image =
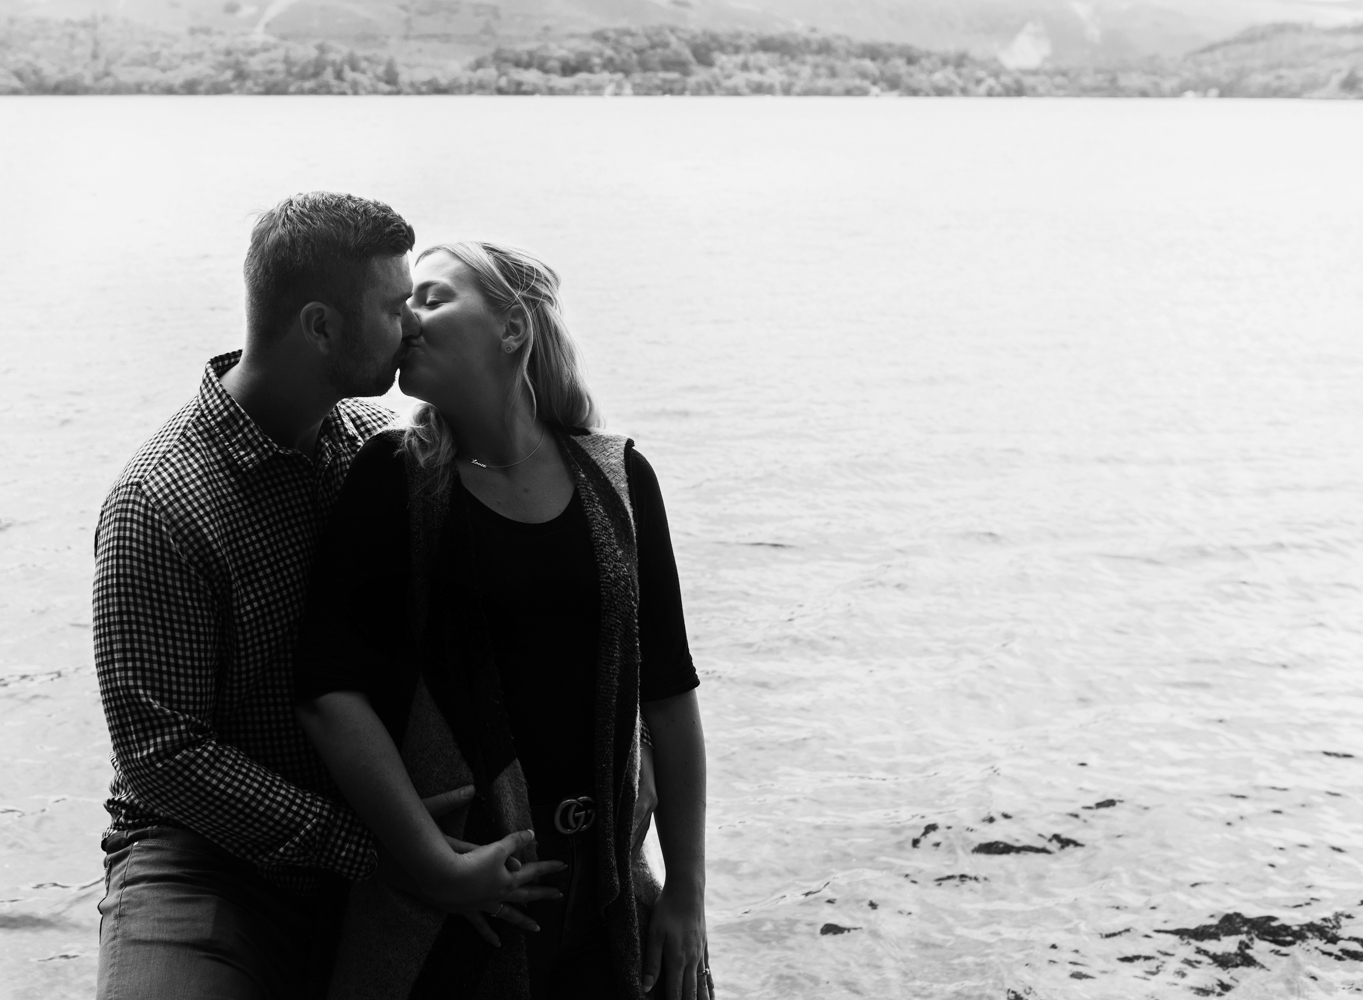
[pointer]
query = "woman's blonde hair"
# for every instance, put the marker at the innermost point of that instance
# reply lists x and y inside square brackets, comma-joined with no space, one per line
[547,360]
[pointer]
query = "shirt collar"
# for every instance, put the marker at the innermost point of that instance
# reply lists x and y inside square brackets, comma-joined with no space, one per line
[245,443]
[339,426]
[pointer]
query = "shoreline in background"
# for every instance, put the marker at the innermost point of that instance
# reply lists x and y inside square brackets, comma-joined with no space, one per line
[104,56]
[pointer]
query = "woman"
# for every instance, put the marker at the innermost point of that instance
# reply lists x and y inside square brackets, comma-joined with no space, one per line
[496,604]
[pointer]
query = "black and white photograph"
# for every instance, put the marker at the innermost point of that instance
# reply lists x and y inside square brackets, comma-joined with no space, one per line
[681,499]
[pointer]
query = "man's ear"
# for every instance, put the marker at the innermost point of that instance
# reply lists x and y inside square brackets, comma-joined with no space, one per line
[515,332]
[321,325]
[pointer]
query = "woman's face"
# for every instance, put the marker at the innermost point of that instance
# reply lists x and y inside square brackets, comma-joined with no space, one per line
[461,337]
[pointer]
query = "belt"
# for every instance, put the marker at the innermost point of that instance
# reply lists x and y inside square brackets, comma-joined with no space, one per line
[575,815]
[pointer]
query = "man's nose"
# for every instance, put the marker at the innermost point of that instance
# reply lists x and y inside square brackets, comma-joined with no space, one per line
[411,326]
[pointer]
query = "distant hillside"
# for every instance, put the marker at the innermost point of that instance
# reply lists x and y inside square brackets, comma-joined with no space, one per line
[41,56]
[1281,60]
[1024,34]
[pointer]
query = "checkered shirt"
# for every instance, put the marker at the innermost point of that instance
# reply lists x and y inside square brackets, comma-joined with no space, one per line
[202,557]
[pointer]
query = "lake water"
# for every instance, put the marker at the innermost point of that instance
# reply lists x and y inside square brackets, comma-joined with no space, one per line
[1012,451]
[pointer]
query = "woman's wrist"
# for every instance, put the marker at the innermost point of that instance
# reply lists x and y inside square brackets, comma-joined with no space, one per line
[433,862]
[685,885]
[449,880]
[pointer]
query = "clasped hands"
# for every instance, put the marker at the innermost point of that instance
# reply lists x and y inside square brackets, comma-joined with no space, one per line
[483,880]
[491,880]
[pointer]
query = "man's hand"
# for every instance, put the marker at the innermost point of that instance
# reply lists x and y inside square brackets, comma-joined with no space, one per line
[647,800]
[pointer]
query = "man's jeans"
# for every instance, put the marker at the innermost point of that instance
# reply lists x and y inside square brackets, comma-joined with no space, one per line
[183,918]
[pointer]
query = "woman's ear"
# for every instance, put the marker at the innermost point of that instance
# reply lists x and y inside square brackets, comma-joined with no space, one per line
[515,332]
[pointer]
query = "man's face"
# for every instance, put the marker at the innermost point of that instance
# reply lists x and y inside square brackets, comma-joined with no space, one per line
[371,342]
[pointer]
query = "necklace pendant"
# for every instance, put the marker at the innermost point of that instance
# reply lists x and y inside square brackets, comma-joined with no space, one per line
[512,465]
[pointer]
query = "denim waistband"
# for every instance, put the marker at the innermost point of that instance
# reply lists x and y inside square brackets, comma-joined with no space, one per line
[117,840]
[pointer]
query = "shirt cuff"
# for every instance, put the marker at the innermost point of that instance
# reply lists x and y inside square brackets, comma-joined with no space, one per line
[347,846]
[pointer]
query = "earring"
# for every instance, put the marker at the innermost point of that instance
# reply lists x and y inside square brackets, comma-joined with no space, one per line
[508,348]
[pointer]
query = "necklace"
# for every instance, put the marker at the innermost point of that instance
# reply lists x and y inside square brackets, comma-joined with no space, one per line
[484,465]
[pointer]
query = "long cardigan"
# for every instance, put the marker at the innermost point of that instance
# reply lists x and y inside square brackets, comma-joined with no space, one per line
[456,734]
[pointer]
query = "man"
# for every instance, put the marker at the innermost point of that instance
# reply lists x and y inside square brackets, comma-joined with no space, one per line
[219,837]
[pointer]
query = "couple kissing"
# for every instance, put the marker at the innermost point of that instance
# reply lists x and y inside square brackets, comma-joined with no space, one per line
[392,707]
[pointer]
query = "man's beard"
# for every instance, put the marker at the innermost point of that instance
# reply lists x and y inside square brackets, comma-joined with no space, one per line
[354,373]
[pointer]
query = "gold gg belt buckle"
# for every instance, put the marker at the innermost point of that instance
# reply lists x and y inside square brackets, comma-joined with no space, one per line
[575,815]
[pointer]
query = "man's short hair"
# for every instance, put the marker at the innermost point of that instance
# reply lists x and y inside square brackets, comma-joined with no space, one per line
[317,247]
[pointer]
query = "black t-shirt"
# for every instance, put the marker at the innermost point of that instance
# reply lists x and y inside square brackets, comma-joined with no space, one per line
[541,597]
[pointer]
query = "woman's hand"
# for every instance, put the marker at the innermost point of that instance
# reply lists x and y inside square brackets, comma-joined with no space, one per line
[442,805]
[676,954]
[457,885]
[487,879]
[361,755]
